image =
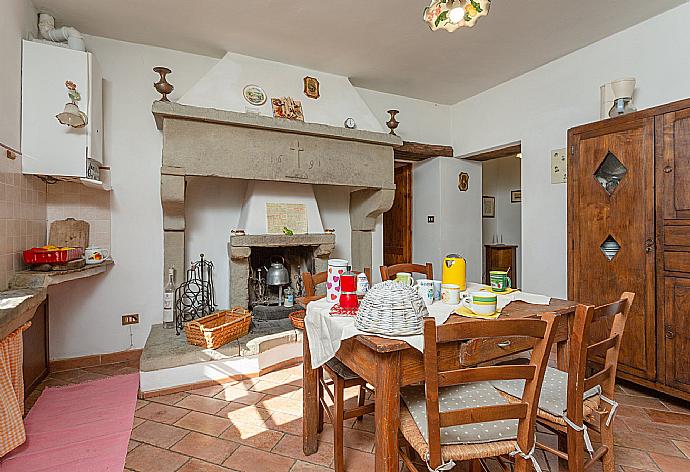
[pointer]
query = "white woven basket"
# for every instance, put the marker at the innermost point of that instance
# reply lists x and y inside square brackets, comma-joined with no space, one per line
[391,309]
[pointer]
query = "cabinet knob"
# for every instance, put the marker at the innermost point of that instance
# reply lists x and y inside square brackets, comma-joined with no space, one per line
[668,169]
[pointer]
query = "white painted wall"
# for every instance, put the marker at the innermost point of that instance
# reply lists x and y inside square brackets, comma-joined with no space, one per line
[222,88]
[539,107]
[420,121]
[500,177]
[455,230]
[17,19]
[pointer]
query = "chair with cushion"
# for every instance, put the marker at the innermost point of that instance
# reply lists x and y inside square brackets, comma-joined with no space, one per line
[458,415]
[571,402]
[389,272]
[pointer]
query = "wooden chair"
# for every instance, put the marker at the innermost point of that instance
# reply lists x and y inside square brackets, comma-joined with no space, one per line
[570,400]
[466,432]
[389,272]
[341,377]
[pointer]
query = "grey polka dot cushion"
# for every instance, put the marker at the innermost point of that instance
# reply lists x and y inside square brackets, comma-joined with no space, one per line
[554,391]
[457,397]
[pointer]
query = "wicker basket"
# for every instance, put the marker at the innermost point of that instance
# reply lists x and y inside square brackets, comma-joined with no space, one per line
[392,309]
[297,318]
[218,328]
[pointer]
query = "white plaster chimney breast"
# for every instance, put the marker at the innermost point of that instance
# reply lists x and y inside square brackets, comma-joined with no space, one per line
[222,86]
[253,215]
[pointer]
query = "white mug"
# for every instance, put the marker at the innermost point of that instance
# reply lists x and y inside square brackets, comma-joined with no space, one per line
[480,303]
[425,289]
[96,255]
[450,294]
[404,278]
[437,289]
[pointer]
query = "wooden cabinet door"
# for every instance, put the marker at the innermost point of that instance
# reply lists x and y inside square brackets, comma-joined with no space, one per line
[397,222]
[611,230]
[673,164]
[676,333]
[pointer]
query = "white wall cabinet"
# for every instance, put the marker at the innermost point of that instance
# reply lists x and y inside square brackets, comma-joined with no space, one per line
[48,147]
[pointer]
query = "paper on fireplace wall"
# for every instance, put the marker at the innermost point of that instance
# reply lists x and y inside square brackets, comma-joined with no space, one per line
[286,215]
[254,217]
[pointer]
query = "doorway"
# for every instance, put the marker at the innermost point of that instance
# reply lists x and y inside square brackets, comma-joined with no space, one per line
[397,222]
[501,210]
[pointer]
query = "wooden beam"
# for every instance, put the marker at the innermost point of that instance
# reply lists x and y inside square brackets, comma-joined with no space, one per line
[411,151]
[495,153]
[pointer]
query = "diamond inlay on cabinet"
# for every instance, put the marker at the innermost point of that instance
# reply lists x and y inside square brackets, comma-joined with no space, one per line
[610,247]
[610,173]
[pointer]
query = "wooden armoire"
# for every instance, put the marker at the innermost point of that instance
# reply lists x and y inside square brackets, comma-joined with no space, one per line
[629,230]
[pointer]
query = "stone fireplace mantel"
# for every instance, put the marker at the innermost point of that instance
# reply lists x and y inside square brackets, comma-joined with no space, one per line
[217,143]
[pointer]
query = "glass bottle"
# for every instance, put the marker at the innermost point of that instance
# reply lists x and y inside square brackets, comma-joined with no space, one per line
[169,301]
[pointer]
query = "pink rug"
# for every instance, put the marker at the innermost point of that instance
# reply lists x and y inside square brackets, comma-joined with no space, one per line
[83,427]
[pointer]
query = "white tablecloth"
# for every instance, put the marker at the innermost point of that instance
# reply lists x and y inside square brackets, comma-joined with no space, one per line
[326,332]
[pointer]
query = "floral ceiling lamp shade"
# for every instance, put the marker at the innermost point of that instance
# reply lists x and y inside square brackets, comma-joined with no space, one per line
[453,14]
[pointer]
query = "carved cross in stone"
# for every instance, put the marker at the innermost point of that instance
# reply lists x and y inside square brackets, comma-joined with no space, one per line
[296,149]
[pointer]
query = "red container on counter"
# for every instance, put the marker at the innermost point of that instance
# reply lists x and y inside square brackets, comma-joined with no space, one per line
[51,255]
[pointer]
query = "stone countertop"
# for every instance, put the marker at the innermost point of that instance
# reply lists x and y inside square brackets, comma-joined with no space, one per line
[32,279]
[17,307]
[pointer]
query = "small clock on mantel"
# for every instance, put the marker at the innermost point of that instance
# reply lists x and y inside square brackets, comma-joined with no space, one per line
[350,123]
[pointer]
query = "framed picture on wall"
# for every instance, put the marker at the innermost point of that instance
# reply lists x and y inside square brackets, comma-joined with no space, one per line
[488,207]
[516,196]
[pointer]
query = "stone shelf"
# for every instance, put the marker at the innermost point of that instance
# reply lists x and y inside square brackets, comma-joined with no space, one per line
[31,279]
[17,307]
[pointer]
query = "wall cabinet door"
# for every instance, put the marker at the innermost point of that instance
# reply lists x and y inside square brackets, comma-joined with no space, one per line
[611,230]
[676,329]
[673,164]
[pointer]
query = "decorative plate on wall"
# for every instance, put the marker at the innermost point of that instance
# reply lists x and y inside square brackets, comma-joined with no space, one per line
[311,87]
[254,95]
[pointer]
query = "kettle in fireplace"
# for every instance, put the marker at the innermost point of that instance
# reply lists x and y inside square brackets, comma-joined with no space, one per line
[277,274]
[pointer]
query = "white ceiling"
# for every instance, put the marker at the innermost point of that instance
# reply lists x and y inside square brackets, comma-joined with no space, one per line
[380,45]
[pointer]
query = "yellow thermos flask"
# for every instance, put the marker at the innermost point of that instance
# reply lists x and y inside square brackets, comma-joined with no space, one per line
[455,271]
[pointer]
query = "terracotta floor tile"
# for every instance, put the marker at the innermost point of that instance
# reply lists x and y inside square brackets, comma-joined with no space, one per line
[307,467]
[284,422]
[667,431]
[291,446]
[684,447]
[204,423]
[671,464]
[357,460]
[366,424]
[247,459]
[161,413]
[640,401]
[108,369]
[141,403]
[205,447]
[253,435]
[202,404]
[669,417]
[88,376]
[158,434]
[66,375]
[237,412]
[137,422]
[238,395]
[278,376]
[633,458]
[272,388]
[629,411]
[210,391]
[147,458]
[646,442]
[170,399]
[360,440]
[195,465]
[676,405]
[283,405]
[132,444]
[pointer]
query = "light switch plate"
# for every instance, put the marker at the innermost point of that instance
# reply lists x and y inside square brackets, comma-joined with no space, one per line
[430,219]
[559,166]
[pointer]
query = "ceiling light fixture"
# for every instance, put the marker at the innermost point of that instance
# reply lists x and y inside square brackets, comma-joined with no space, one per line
[453,14]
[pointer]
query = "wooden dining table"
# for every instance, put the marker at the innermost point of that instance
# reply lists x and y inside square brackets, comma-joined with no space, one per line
[389,364]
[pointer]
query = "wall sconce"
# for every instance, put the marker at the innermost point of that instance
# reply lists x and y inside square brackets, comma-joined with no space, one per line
[71,115]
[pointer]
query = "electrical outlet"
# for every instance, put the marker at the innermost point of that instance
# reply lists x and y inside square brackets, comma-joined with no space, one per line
[130,319]
[430,219]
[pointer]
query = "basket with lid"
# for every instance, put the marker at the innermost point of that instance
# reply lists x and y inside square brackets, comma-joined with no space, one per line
[391,309]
